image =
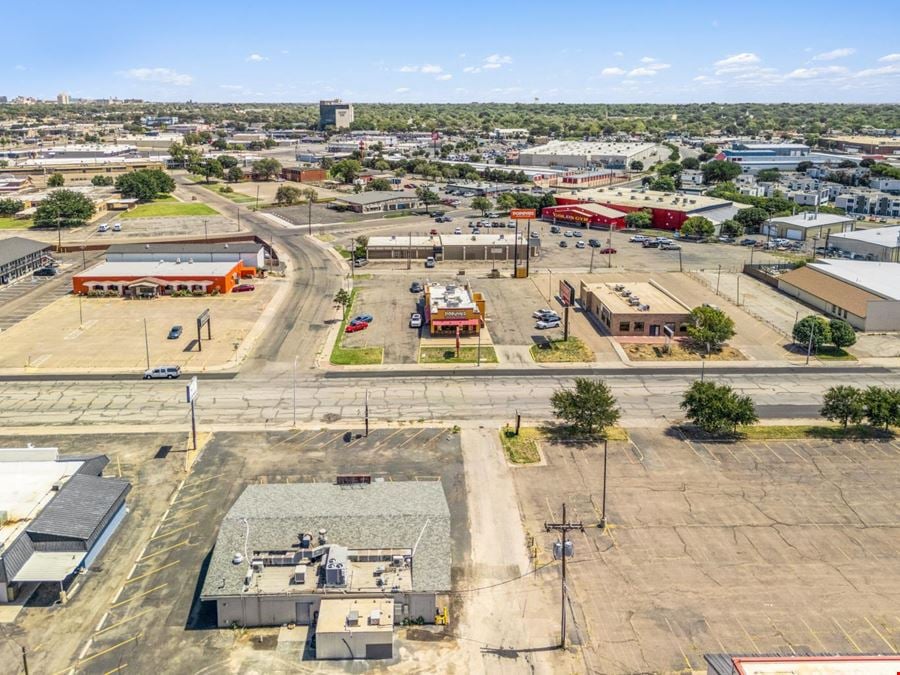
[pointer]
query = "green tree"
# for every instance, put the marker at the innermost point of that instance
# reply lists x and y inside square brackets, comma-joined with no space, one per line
[506,201]
[220,144]
[56,180]
[717,171]
[663,184]
[698,226]
[346,170]
[234,174]
[843,404]
[64,208]
[768,175]
[882,406]
[731,228]
[670,169]
[428,196]
[101,181]
[842,333]
[812,327]
[482,204]
[266,167]
[752,218]
[717,408]
[145,184]
[287,194]
[589,408]
[209,168]
[636,165]
[690,163]
[10,207]
[710,326]
[228,161]
[342,299]
[638,220]
[803,167]
[379,185]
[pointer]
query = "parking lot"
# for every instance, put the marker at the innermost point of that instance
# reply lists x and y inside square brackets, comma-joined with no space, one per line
[748,547]
[140,602]
[105,334]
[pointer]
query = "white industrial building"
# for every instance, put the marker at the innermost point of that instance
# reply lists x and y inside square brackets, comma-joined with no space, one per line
[879,243]
[286,552]
[251,253]
[612,155]
[807,225]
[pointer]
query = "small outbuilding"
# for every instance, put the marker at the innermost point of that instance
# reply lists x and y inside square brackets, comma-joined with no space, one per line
[355,628]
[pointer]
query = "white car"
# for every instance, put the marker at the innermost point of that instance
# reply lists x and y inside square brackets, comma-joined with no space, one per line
[547,323]
[639,238]
[458,230]
[579,244]
[103,228]
[541,313]
[117,227]
[415,320]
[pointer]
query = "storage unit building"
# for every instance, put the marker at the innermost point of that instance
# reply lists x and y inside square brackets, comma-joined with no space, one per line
[251,253]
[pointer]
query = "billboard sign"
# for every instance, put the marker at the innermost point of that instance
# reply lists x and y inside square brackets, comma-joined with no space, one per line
[191,389]
[523,214]
[566,294]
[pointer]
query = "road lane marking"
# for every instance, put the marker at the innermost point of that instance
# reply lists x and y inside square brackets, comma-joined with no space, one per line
[100,623]
[87,645]
[123,621]
[147,574]
[675,640]
[139,595]
[814,634]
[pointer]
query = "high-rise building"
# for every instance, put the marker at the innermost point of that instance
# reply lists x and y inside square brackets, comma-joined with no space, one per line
[335,114]
[62,98]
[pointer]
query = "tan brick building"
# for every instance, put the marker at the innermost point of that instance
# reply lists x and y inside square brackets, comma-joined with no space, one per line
[635,308]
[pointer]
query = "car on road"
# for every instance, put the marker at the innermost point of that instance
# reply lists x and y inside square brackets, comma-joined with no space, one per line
[535,235]
[669,246]
[433,231]
[163,373]
[117,227]
[726,239]
[356,327]
[438,214]
[409,186]
[547,323]
[362,318]
[429,261]
[415,320]
[45,272]
[579,244]
[554,229]
[639,238]
[511,225]
[175,332]
[608,250]
[360,262]
[492,214]
[650,243]
[563,244]
[243,288]
[748,242]
[416,287]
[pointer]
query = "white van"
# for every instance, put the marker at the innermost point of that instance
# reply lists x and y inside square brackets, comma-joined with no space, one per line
[117,227]
[103,228]
[163,372]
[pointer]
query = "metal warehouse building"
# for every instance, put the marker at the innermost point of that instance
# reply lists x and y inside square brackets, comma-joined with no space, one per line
[807,225]
[302,553]
[251,253]
[483,247]
[593,153]
[879,243]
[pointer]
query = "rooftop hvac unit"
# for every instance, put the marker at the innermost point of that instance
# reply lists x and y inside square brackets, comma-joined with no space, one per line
[644,308]
[379,581]
[237,559]
[619,287]
[190,261]
[257,565]
[379,571]
[300,574]
[634,301]
[353,618]
[626,293]
[397,561]
[322,538]
[305,540]
[248,577]
[375,617]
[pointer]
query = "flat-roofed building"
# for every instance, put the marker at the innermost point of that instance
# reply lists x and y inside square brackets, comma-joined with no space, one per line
[149,279]
[335,113]
[472,247]
[807,225]
[870,145]
[611,154]
[635,308]
[593,216]
[357,628]
[451,309]
[810,664]
[864,294]
[380,202]
[879,243]
[251,253]
[283,550]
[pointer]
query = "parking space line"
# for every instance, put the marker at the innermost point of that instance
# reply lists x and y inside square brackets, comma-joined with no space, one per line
[163,550]
[193,497]
[139,595]
[878,633]
[409,440]
[151,572]
[772,451]
[308,441]
[814,634]
[124,621]
[677,644]
[116,669]
[791,448]
[716,637]
[847,635]
[389,436]
[749,637]
[109,649]
[171,532]
[190,510]
[203,480]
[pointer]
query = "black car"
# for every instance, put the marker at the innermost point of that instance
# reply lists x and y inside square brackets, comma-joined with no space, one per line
[45,272]
[416,287]
[563,244]
[175,332]
[748,242]
[594,243]
[650,243]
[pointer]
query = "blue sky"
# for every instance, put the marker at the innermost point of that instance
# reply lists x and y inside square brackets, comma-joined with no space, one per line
[649,51]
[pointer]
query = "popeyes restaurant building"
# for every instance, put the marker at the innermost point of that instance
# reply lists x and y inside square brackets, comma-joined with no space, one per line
[452,310]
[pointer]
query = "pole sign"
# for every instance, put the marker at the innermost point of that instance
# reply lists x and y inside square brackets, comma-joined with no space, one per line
[566,294]
[523,214]
[191,390]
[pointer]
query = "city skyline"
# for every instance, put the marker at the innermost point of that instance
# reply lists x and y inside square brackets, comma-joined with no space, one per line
[663,53]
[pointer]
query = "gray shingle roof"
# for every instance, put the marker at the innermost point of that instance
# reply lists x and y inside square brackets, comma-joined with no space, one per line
[79,507]
[13,248]
[380,515]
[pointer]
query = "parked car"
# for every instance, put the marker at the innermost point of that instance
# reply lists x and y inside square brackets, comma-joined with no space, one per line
[492,214]
[541,313]
[669,246]
[45,272]
[549,323]
[563,244]
[579,244]
[639,238]
[243,288]
[511,225]
[576,233]
[429,261]
[594,243]
[409,186]
[535,235]
[416,287]
[650,243]
[568,233]
[433,231]
[726,240]
[355,327]
[415,320]
[363,318]
[457,230]
[748,242]
[175,332]
[554,229]
[608,250]
[360,262]
[163,372]
[103,228]
[117,227]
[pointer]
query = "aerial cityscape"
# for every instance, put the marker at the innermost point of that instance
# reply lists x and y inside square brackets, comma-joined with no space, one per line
[405,339]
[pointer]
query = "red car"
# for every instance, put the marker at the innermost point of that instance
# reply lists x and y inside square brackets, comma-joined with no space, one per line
[410,186]
[607,250]
[243,288]
[433,231]
[356,327]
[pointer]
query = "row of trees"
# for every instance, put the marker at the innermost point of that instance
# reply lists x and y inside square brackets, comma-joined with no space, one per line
[879,406]
[816,331]
[145,184]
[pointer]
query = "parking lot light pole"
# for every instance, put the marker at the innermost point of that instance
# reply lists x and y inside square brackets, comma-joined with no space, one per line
[147,344]
[591,271]
[603,510]
[294,390]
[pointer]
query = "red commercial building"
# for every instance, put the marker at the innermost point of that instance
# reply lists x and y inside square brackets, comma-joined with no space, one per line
[304,175]
[594,216]
[668,210]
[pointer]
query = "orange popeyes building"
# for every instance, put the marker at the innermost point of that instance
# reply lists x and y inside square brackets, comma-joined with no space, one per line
[453,310]
[150,279]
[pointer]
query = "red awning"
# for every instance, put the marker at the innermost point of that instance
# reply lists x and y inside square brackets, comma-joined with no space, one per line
[454,322]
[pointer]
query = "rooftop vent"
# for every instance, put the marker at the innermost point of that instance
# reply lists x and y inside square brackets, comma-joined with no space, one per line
[237,559]
[375,617]
[322,538]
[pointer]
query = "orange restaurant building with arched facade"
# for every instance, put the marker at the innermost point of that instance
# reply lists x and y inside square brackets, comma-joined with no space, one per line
[150,279]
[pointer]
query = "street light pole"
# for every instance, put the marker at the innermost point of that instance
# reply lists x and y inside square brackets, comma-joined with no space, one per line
[603,512]
[147,344]
[294,390]
[205,231]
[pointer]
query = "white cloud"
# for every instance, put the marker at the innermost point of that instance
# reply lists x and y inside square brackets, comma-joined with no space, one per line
[444,77]
[161,75]
[812,73]
[647,59]
[19,67]
[892,69]
[834,54]
[619,54]
[492,62]
[285,51]
[736,62]
[499,60]
[609,72]
[257,58]
[232,87]
[431,68]
[401,90]
[427,68]
[887,58]
[642,72]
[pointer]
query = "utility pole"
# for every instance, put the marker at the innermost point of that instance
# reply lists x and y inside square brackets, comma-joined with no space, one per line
[238,209]
[516,251]
[294,390]
[603,512]
[809,346]
[591,270]
[527,249]
[25,660]
[257,198]
[609,247]
[147,344]
[718,279]
[680,266]
[738,292]
[564,527]
[409,253]
[205,231]
[367,413]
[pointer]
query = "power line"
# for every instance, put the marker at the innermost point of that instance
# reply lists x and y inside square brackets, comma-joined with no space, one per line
[501,583]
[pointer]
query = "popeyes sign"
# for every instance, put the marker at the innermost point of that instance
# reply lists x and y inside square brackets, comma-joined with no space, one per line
[522,214]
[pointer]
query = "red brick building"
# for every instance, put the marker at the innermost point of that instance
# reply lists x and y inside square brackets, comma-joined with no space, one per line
[594,216]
